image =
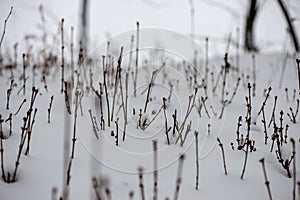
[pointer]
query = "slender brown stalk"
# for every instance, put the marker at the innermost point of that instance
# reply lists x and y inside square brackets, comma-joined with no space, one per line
[24,101]
[93,124]
[141,185]
[105,90]
[117,81]
[179,176]
[253,75]
[45,83]
[155,176]
[10,123]
[188,129]
[262,161]
[126,106]
[62,56]
[265,125]
[21,145]
[223,155]
[166,121]
[234,90]
[24,74]
[5,22]
[67,93]
[298,65]
[286,133]
[298,183]
[190,107]
[49,108]
[2,150]
[294,168]
[77,94]
[69,173]
[29,130]
[206,61]
[226,67]
[8,93]
[117,131]
[29,114]
[287,94]
[149,90]
[273,112]
[136,57]
[264,103]
[197,160]
[238,130]
[204,106]
[281,127]
[247,140]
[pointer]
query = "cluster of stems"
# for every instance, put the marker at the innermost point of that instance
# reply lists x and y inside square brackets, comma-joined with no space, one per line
[293,114]
[248,121]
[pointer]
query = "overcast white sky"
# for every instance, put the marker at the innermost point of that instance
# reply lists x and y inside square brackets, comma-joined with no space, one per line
[116,16]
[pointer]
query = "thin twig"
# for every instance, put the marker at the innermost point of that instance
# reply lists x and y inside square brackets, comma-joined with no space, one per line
[155,176]
[4,29]
[262,161]
[223,155]
[197,160]
[179,176]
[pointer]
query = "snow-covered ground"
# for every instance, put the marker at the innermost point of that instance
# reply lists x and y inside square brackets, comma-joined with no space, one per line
[43,172]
